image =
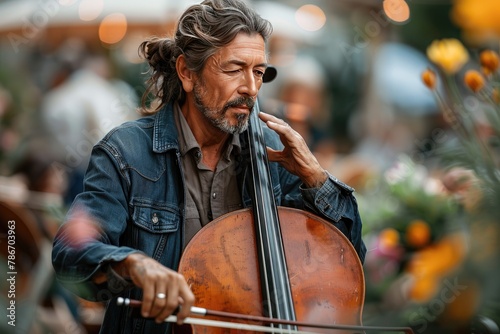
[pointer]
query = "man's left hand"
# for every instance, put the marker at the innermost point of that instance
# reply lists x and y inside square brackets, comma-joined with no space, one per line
[296,156]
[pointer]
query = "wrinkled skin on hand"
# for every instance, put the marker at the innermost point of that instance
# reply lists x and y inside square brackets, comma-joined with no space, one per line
[154,279]
[296,156]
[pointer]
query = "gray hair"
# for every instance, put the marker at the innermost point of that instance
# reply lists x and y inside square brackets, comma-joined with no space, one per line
[201,31]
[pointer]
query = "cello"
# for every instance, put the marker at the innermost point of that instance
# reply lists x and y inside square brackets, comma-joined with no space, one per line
[274,261]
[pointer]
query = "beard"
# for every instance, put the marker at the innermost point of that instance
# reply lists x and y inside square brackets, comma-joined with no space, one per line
[217,117]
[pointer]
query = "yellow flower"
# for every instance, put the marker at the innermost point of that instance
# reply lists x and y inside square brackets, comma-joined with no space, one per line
[478,19]
[449,54]
[474,80]
[429,78]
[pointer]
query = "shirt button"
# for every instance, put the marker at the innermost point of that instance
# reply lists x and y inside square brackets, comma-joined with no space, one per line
[214,195]
[155,218]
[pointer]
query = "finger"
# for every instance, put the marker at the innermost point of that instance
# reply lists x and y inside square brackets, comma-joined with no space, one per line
[268,117]
[160,300]
[287,134]
[274,155]
[275,123]
[285,131]
[187,301]
[171,302]
[148,296]
[280,128]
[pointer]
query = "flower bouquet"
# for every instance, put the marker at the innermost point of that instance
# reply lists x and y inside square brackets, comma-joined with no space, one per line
[468,93]
[470,106]
[406,212]
[433,235]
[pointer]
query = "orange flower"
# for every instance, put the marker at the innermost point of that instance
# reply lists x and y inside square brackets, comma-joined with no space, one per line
[389,238]
[424,288]
[489,61]
[474,80]
[418,233]
[430,264]
[429,78]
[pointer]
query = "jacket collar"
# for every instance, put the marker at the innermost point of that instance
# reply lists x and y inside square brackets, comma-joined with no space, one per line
[164,130]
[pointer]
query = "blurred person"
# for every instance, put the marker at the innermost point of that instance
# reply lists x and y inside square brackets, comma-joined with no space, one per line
[8,137]
[301,100]
[163,169]
[303,103]
[84,103]
[46,187]
[59,310]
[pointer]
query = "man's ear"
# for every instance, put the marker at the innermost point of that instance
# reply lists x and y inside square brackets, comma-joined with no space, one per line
[185,75]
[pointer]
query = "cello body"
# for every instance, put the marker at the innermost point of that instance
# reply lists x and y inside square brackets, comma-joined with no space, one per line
[326,276]
[273,261]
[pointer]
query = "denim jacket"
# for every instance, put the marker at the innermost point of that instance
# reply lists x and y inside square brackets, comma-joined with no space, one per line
[134,192]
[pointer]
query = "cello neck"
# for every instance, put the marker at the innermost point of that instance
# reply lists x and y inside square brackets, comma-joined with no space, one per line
[275,284]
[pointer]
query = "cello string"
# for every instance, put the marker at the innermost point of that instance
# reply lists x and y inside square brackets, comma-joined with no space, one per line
[259,202]
[277,285]
[271,291]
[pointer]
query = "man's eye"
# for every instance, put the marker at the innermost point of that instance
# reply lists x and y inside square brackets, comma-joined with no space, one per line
[259,74]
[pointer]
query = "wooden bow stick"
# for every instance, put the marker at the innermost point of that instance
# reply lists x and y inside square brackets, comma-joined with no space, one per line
[222,324]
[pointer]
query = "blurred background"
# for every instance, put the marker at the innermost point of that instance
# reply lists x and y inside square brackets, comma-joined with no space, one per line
[349,80]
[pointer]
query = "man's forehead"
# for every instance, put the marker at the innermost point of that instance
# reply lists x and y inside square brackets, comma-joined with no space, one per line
[243,48]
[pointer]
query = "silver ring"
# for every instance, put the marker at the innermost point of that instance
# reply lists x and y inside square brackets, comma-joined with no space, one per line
[161,296]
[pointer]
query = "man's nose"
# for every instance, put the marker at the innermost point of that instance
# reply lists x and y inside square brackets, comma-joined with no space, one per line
[250,85]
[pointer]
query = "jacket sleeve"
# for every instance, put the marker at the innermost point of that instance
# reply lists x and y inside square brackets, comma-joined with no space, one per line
[336,201]
[87,241]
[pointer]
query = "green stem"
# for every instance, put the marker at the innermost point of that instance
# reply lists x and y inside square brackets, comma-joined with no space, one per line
[451,117]
[464,124]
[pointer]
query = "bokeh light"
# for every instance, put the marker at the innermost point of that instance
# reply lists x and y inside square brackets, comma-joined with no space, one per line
[113,28]
[397,10]
[90,9]
[310,17]
[66,2]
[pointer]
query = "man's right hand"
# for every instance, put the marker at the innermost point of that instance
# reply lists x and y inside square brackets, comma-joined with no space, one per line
[157,281]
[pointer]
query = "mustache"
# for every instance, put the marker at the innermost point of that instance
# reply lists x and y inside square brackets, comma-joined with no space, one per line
[246,101]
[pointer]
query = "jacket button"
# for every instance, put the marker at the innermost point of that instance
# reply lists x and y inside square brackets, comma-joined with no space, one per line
[155,218]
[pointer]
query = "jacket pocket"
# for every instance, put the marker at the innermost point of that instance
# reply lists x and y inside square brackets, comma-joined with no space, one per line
[155,217]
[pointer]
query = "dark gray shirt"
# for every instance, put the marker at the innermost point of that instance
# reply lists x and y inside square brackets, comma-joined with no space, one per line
[209,194]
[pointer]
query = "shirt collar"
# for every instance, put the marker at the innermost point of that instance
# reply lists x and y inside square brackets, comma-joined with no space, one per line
[187,141]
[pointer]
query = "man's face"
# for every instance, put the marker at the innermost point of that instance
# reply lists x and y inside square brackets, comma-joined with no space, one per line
[226,91]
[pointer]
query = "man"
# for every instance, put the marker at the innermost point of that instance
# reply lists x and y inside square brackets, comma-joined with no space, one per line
[153,183]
